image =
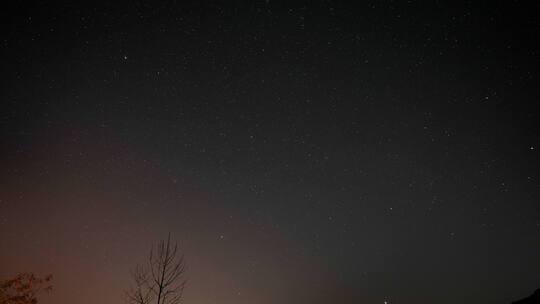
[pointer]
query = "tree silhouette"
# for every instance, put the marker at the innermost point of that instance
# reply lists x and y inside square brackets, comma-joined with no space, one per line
[23,288]
[161,279]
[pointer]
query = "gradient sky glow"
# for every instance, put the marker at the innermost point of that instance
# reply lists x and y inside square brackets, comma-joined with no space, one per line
[311,153]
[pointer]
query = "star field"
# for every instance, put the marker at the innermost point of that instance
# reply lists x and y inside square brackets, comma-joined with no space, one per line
[379,153]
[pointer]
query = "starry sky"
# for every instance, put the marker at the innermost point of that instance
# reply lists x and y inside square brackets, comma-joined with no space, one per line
[312,152]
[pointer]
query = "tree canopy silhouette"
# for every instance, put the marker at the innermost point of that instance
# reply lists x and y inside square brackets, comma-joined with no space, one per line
[24,288]
[161,279]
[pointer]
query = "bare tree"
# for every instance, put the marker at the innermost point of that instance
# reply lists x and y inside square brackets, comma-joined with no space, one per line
[161,279]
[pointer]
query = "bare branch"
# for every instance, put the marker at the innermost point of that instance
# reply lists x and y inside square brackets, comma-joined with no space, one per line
[162,280]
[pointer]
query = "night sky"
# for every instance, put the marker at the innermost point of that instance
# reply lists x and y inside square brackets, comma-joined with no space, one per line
[299,153]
